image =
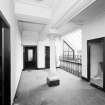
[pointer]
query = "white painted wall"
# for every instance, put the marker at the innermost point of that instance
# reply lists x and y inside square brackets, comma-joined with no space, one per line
[41,53]
[7,8]
[94,29]
[18,57]
[74,39]
[30,38]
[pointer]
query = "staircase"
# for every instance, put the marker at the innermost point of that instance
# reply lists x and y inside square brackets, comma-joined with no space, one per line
[69,61]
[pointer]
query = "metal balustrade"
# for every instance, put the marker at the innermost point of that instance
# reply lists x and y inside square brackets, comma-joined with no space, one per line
[72,65]
[69,61]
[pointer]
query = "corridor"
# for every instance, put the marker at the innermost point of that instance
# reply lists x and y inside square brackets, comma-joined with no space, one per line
[50,34]
[33,90]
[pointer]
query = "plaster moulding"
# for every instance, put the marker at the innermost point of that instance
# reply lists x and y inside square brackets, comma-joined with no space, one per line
[72,12]
[34,2]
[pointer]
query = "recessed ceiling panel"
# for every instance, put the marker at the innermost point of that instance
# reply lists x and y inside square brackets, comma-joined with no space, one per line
[41,2]
[36,27]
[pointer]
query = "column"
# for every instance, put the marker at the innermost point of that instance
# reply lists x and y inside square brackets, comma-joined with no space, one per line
[52,55]
[52,79]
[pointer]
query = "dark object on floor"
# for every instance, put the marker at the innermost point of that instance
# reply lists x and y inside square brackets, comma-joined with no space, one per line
[44,102]
[53,81]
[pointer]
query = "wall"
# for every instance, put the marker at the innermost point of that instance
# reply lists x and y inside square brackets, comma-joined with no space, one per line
[91,30]
[18,57]
[41,55]
[41,52]
[32,38]
[74,39]
[7,8]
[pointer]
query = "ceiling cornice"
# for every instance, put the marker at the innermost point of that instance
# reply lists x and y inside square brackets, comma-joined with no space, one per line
[73,11]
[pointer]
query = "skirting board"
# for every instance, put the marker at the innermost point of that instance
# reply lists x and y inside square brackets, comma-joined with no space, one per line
[98,87]
[84,78]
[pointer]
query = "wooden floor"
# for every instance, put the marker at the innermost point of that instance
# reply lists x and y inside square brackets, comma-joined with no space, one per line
[33,90]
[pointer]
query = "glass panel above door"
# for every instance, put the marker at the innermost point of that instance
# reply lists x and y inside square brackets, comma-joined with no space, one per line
[30,54]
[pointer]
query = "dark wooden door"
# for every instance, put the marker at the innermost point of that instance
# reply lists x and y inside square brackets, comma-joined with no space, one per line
[5,62]
[88,61]
[7,66]
[47,57]
[0,63]
[30,57]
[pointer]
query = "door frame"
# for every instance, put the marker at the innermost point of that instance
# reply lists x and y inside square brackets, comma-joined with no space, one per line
[88,60]
[45,57]
[89,63]
[6,61]
[29,46]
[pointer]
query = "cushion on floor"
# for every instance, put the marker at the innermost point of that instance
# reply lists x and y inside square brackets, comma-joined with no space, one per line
[53,81]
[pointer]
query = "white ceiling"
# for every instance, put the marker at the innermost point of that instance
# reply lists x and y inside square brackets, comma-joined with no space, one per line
[90,13]
[33,11]
[28,26]
[45,3]
[36,21]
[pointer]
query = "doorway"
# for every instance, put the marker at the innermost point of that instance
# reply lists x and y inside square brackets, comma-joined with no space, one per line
[5,62]
[96,62]
[30,57]
[47,57]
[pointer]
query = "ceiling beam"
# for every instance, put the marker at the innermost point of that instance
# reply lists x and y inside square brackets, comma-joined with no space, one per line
[23,21]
